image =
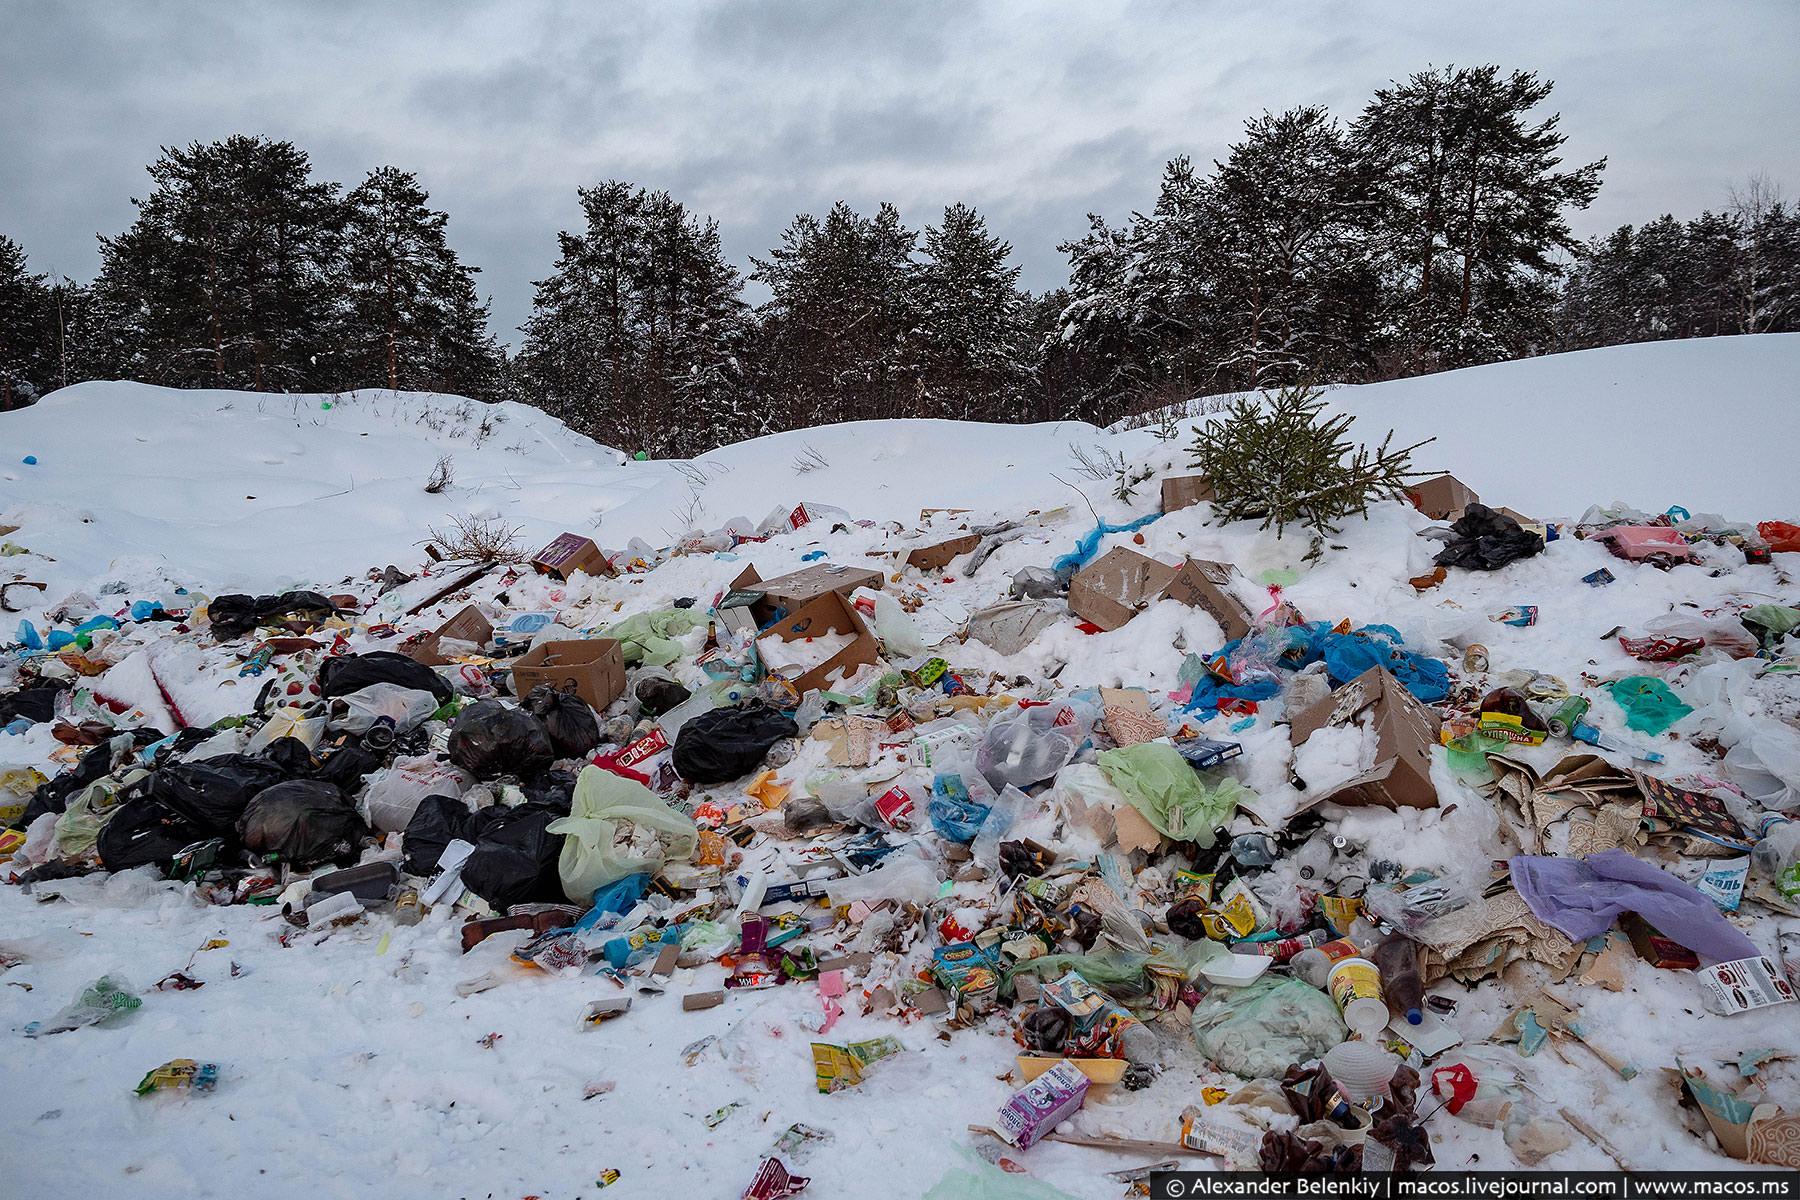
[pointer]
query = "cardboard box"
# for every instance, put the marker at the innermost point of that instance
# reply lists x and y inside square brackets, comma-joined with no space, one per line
[1185,491]
[569,553]
[1405,729]
[1120,583]
[466,626]
[828,614]
[794,591]
[593,669]
[1116,586]
[937,556]
[1442,498]
[1201,584]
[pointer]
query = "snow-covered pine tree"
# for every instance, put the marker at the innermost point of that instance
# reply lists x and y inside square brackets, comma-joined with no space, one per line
[972,346]
[412,319]
[1467,211]
[1281,458]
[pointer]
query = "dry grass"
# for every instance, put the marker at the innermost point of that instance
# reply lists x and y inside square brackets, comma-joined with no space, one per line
[480,539]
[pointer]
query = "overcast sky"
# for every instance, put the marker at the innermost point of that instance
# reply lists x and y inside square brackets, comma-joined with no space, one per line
[1035,113]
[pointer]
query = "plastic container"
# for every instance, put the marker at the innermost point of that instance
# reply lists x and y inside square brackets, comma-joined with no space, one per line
[1314,965]
[369,882]
[1355,984]
[1397,958]
[1360,1068]
[1777,853]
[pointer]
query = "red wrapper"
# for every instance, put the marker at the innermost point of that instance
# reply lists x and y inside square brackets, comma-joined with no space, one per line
[773,1182]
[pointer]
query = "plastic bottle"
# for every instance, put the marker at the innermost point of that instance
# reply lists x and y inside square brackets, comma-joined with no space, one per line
[1355,984]
[1397,958]
[1777,853]
[1315,965]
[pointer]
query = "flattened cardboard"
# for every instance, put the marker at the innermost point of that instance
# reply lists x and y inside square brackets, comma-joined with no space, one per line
[1405,731]
[466,626]
[937,556]
[1185,491]
[569,553]
[1114,587]
[1203,585]
[829,613]
[592,668]
[795,590]
[1441,498]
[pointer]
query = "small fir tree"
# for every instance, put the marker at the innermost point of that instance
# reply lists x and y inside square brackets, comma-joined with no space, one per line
[1282,458]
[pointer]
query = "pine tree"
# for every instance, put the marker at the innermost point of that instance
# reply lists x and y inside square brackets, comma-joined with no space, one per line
[226,278]
[1468,210]
[412,318]
[1281,458]
[634,335]
[834,335]
[973,347]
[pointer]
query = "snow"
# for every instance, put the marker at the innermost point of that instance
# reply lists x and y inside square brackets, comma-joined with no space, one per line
[352,1065]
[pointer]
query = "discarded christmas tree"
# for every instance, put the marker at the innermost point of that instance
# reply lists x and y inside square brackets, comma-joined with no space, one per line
[1280,457]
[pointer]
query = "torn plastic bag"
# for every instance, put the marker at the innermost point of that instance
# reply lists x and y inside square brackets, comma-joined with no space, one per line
[236,614]
[393,794]
[354,672]
[1261,1028]
[960,805]
[1022,747]
[1176,800]
[104,999]
[1486,541]
[617,827]
[1009,628]
[728,743]
[303,822]
[406,707]
[571,724]
[53,795]
[1583,897]
[489,740]
[145,833]
[214,793]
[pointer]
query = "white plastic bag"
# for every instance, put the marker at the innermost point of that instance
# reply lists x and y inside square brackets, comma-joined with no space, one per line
[393,793]
[405,707]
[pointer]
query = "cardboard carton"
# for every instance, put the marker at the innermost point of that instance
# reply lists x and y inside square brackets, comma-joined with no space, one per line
[592,668]
[466,626]
[1114,587]
[1442,498]
[1120,583]
[1185,491]
[937,556]
[794,591]
[830,613]
[569,553]
[1405,729]
[1201,584]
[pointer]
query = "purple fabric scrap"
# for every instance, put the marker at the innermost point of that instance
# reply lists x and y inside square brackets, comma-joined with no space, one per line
[1583,897]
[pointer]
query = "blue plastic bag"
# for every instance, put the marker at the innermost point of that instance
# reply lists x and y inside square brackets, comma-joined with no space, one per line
[954,813]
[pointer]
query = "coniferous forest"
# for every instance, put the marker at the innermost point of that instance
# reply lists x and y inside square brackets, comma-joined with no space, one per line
[1428,232]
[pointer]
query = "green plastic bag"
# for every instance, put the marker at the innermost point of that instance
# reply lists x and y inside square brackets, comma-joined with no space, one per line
[1650,707]
[979,1181]
[617,827]
[1262,1028]
[1171,795]
[648,638]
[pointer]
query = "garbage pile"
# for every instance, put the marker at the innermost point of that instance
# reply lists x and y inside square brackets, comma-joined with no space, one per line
[795,783]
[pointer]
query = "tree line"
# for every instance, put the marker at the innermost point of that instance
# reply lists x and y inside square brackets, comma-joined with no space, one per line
[1429,232]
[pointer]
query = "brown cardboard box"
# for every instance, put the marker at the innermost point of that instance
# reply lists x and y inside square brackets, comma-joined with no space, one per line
[1185,491]
[1114,587]
[466,626]
[937,556]
[569,553]
[1201,584]
[797,589]
[592,668]
[829,613]
[1405,731]
[1442,498]
[1120,583]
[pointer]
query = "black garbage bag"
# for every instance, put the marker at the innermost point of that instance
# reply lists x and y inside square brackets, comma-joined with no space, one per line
[515,858]
[573,728]
[236,614]
[552,789]
[302,822]
[53,795]
[658,695]
[214,792]
[345,765]
[354,672]
[489,739]
[37,704]
[145,832]
[1486,541]
[727,743]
